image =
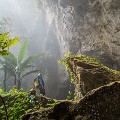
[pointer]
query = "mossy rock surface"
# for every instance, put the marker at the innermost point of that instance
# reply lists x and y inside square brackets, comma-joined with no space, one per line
[89,71]
[102,103]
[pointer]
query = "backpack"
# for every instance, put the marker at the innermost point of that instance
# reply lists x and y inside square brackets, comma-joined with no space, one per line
[36,83]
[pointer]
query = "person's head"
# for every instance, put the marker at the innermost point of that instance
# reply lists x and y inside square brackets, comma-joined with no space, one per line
[39,75]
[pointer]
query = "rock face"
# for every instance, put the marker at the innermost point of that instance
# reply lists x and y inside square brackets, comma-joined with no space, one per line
[89,73]
[90,27]
[99,104]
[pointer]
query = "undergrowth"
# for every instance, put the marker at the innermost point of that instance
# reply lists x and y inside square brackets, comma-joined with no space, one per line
[17,103]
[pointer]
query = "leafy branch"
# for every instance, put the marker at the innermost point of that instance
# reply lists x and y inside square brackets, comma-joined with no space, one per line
[5,43]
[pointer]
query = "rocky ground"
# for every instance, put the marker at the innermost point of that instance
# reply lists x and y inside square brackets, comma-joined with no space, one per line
[101,100]
[99,104]
[100,94]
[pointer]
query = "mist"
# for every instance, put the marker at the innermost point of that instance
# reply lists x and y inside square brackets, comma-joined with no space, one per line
[22,14]
[22,17]
[26,20]
[83,35]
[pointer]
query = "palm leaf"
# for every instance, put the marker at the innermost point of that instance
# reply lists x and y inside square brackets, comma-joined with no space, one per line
[9,68]
[22,52]
[11,59]
[25,68]
[2,62]
[33,71]
[11,72]
[38,56]
[10,63]
[28,62]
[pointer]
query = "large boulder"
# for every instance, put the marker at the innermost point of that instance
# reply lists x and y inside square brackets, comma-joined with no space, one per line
[99,104]
[89,73]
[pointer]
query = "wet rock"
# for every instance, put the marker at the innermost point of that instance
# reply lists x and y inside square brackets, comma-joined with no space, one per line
[89,73]
[88,27]
[99,104]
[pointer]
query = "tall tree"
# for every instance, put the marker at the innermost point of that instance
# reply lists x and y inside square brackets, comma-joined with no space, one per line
[8,66]
[19,66]
[5,43]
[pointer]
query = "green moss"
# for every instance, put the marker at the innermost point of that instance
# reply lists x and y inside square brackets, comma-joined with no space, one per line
[51,104]
[69,61]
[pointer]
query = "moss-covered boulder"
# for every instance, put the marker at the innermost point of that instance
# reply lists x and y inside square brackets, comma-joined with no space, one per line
[88,73]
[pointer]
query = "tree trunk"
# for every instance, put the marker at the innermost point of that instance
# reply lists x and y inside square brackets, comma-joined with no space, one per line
[5,78]
[19,82]
[15,80]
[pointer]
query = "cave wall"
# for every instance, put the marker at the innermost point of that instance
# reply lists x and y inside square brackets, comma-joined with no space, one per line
[90,27]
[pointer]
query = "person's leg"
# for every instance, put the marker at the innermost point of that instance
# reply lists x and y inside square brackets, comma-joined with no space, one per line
[40,89]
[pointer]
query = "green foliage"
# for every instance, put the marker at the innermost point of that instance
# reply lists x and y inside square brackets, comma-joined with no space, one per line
[33,71]
[22,63]
[69,95]
[66,63]
[9,62]
[28,62]
[1,91]
[82,58]
[71,61]
[22,52]
[5,43]
[52,104]
[18,65]
[18,103]
[75,96]
[73,77]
